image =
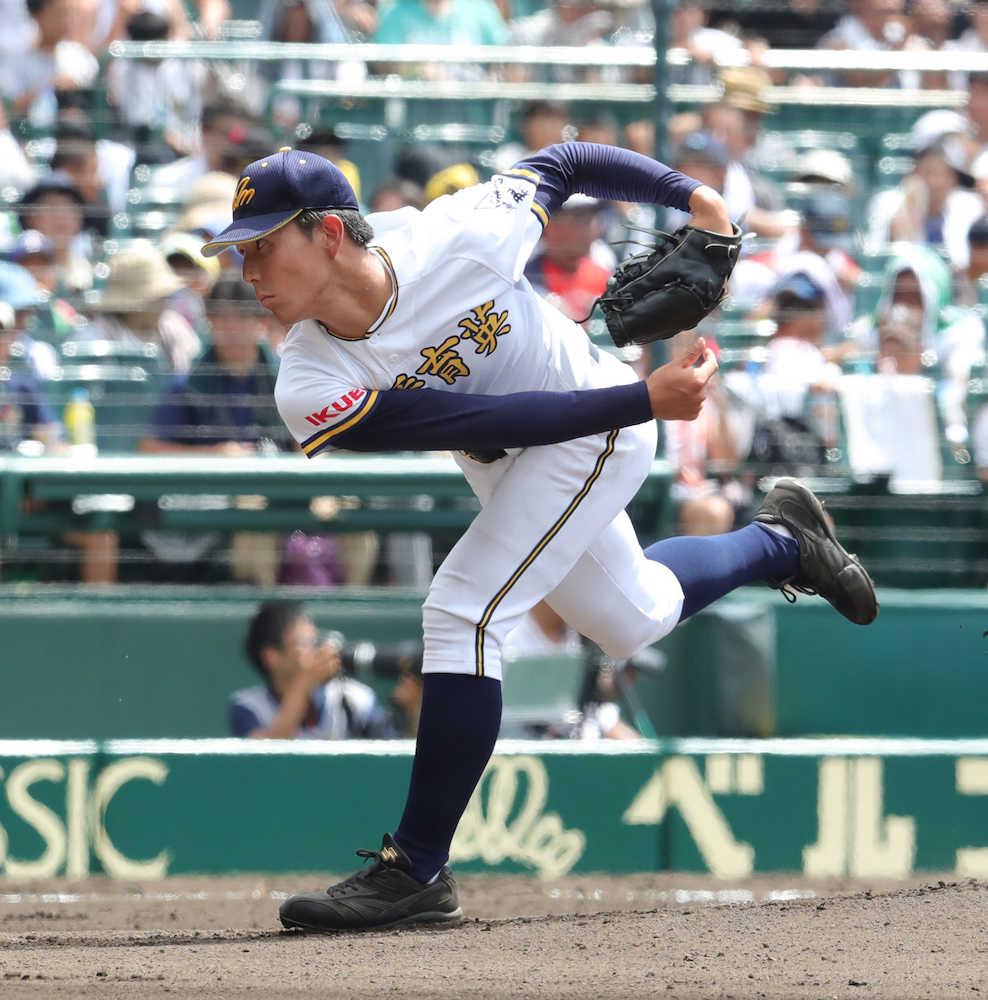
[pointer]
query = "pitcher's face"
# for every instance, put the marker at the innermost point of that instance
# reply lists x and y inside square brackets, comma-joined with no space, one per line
[287,271]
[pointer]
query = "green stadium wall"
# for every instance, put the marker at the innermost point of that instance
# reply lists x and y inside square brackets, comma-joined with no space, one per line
[827,808]
[126,665]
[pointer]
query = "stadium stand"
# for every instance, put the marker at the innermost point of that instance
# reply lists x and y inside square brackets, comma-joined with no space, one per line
[931,535]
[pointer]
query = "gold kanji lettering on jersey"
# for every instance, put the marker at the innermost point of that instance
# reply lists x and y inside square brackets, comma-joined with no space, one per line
[444,361]
[484,326]
[404,381]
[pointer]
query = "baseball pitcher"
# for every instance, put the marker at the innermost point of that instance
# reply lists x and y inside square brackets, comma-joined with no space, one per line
[417,330]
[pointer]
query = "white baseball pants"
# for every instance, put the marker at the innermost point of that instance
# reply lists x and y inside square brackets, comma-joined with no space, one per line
[553,527]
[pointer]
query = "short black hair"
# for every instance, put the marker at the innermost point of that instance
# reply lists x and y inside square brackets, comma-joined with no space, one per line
[267,628]
[788,305]
[146,26]
[223,107]
[74,130]
[420,161]
[244,146]
[544,107]
[80,99]
[72,153]
[410,192]
[977,235]
[354,224]
[324,135]
[232,293]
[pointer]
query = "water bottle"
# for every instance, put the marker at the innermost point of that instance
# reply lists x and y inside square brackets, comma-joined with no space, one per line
[80,422]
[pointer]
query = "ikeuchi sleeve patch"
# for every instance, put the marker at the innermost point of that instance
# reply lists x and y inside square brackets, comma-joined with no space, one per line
[317,410]
[337,416]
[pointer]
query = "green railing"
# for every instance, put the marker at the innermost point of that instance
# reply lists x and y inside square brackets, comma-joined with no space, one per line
[390,104]
[410,492]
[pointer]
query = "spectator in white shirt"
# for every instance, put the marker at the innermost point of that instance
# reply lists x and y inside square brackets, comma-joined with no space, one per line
[934,204]
[157,99]
[53,62]
[869,26]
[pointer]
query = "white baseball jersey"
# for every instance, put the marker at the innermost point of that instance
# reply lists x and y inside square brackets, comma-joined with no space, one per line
[463,319]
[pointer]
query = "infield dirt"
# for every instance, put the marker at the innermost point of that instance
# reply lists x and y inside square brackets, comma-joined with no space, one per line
[656,935]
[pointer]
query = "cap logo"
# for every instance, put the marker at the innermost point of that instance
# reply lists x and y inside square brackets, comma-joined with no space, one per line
[244,195]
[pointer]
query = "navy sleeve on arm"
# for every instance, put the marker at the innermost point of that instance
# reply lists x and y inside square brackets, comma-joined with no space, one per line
[26,391]
[434,420]
[172,419]
[605,172]
[242,720]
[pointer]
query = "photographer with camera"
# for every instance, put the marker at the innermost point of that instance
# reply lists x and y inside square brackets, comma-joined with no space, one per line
[306,693]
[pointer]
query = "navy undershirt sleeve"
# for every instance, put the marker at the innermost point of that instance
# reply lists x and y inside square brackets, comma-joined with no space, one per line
[605,172]
[242,719]
[433,420]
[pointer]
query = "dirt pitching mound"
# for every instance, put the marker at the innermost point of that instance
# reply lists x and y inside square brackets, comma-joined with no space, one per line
[656,935]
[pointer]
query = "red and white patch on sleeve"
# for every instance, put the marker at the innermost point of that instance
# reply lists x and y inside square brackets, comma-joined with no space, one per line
[337,408]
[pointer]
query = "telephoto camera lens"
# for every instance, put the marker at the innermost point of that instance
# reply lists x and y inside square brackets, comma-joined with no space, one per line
[385,659]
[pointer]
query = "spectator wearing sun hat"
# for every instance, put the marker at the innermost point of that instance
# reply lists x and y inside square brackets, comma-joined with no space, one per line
[953,336]
[25,414]
[207,203]
[134,308]
[737,120]
[30,304]
[748,90]
[35,252]
[207,209]
[198,274]
[55,318]
[933,205]
[702,155]
[826,253]
[824,168]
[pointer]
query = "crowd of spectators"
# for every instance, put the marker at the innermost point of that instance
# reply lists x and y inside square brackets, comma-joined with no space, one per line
[852,340]
[114,171]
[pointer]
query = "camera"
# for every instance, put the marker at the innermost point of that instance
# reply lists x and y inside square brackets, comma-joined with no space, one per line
[384,659]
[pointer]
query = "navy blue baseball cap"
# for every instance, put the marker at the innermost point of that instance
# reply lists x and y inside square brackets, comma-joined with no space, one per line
[274,190]
[799,285]
[702,147]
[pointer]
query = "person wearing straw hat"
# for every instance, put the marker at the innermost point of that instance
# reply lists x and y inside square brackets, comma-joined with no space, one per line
[198,273]
[133,308]
[736,120]
[207,202]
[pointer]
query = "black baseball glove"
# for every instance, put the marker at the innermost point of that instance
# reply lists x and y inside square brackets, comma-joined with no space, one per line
[654,295]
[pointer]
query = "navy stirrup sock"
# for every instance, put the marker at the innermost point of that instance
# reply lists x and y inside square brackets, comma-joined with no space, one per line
[710,566]
[461,716]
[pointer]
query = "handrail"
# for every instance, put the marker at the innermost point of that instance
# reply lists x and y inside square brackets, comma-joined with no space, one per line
[626,93]
[591,56]
[643,55]
[479,90]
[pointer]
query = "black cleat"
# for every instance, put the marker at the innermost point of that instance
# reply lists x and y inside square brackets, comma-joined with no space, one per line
[825,567]
[382,895]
